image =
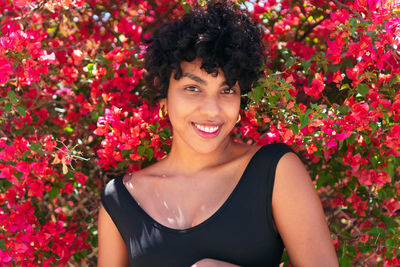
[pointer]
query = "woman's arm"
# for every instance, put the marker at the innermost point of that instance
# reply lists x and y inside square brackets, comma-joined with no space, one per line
[213,263]
[112,249]
[299,216]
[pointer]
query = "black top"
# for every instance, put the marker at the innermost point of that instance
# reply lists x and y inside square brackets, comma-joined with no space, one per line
[240,231]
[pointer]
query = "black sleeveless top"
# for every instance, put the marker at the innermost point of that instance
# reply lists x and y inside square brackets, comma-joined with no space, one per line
[240,231]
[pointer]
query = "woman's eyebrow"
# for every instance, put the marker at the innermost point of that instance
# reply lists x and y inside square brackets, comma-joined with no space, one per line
[194,78]
[198,79]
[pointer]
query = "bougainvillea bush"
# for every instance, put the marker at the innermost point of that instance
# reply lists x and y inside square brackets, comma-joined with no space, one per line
[73,115]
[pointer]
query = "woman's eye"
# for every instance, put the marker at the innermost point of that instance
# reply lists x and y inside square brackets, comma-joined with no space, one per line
[192,88]
[228,91]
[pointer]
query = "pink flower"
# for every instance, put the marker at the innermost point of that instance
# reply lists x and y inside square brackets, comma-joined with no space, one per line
[317,86]
[36,188]
[365,177]
[5,70]
[337,76]
[334,51]
[393,138]
[4,256]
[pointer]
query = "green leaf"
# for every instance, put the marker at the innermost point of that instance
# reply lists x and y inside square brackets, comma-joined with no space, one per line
[371,34]
[105,61]
[37,148]
[122,66]
[345,262]
[55,191]
[374,125]
[141,150]
[3,245]
[392,80]
[287,95]
[126,152]
[152,127]
[323,179]
[78,256]
[34,146]
[295,128]
[94,116]
[89,68]
[362,89]
[258,93]
[167,131]
[285,259]
[21,110]
[334,67]
[129,72]
[341,145]
[352,252]
[365,249]
[122,164]
[11,95]
[94,242]
[388,222]
[18,174]
[26,153]
[149,153]
[392,167]
[68,130]
[8,107]
[377,231]
[344,109]
[289,62]
[344,86]
[304,120]
[306,64]
[186,7]
[163,135]
[390,243]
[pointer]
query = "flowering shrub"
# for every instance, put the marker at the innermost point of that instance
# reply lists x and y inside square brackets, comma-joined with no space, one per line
[71,115]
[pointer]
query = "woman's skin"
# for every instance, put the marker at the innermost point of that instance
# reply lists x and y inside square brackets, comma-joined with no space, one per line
[172,190]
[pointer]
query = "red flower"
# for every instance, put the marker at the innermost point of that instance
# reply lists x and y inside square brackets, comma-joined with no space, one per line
[36,188]
[80,177]
[393,138]
[337,76]
[317,86]
[5,70]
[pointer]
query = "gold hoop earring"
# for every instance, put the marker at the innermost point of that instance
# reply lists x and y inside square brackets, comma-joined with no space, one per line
[161,114]
[238,120]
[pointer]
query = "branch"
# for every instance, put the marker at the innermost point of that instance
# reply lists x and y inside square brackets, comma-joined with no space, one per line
[351,223]
[309,30]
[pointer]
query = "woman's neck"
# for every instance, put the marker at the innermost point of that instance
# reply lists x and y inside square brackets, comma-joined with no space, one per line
[185,160]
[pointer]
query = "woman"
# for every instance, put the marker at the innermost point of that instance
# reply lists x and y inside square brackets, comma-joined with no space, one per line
[211,201]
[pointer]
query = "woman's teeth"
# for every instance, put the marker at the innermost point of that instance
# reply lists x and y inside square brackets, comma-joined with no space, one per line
[208,129]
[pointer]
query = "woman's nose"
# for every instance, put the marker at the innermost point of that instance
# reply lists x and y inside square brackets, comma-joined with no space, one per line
[210,106]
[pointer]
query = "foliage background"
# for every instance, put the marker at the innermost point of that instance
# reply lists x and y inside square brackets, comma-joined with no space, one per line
[71,116]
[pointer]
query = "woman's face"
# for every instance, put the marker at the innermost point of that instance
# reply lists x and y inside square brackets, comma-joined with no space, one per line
[202,108]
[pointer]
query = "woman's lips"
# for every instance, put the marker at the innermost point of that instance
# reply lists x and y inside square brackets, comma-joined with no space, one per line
[205,130]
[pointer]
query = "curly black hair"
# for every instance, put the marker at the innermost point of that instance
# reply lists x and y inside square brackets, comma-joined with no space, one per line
[220,34]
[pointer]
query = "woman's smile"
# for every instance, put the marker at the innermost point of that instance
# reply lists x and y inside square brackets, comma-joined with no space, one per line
[206,130]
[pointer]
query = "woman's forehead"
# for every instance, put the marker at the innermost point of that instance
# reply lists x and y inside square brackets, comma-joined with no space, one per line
[194,67]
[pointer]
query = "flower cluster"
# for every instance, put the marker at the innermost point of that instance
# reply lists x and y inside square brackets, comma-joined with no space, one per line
[71,115]
[335,101]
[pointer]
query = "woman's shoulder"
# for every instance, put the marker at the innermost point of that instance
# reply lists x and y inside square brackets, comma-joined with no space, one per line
[271,148]
[245,150]
[144,175]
